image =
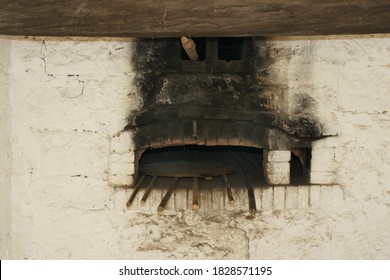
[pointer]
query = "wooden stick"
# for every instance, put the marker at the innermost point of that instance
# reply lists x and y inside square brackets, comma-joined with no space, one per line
[195,194]
[134,193]
[228,188]
[189,47]
[164,201]
[251,192]
[149,188]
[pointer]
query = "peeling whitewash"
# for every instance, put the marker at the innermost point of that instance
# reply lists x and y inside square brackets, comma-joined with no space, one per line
[64,100]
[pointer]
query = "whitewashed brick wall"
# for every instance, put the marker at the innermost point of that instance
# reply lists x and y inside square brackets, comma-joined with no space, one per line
[64,100]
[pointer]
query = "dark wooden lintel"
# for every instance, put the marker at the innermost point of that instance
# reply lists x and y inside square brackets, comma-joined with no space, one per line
[202,18]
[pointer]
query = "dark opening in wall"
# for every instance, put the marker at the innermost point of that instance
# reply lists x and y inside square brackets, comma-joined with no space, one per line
[245,161]
[200,169]
[243,164]
[230,48]
[300,166]
[225,48]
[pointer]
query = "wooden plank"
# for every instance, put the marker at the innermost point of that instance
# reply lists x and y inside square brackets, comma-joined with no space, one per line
[170,18]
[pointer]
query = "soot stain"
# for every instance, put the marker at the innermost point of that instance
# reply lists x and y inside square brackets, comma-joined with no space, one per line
[161,81]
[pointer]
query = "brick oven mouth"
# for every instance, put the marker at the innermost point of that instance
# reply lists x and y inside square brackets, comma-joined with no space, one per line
[207,123]
[200,168]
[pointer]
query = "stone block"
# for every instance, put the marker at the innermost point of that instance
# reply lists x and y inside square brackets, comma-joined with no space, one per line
[315,197]
[267,198]
[328,142]
[205,199]
[276,156]
[258,197]
[279,198]
[323,160]
[121,143]
[303,197]
[322,178]
[122,158]
[121,168]
[277,167]
[218,199]
[278,178]
[292,197]
[154,199]
[240,196]
[180,197]
[120,180]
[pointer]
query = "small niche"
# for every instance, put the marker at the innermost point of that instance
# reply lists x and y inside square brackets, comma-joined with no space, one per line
[300,166]
[224,49]
[230,48]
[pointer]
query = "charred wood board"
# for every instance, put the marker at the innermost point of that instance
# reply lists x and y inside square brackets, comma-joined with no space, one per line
[203,18]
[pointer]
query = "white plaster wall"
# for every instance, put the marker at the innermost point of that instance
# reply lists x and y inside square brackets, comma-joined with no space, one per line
[5,152]
[69,96]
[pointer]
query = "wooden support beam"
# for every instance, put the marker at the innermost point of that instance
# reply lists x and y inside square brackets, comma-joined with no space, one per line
[202,18]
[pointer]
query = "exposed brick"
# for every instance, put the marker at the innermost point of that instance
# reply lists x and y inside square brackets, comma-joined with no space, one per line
[277,156]
[278,178]
[303,197]
[279,197]
[121,168]
[119,158]
[328,142]
[258,197]
[315,197]
[205,202]
[267,198]
[322,178]
[121,143]
[154,199]
[292,197]
[277,168]
[218,199]
[120,180]
[180,197]
[241,199]
[323,160]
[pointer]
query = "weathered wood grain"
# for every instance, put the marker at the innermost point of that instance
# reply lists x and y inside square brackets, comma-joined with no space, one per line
[172,18]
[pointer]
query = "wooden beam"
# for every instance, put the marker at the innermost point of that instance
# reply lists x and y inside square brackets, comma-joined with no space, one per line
[203,18]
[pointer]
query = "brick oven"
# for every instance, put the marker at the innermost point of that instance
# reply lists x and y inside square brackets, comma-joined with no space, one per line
[271,142]
[215,122]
